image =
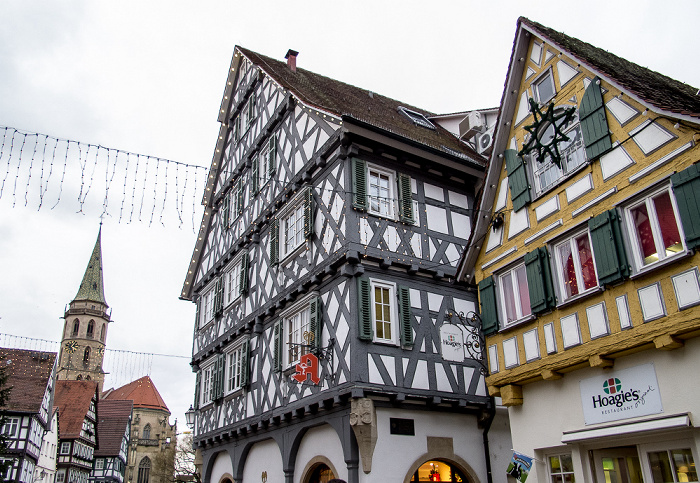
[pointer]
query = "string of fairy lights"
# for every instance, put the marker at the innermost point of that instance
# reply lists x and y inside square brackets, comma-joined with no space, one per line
[38,170]
[121,366]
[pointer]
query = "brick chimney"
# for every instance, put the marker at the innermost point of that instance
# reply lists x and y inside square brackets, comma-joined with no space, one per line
[292,59]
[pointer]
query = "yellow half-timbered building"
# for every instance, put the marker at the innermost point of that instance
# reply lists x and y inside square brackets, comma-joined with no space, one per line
[585,255]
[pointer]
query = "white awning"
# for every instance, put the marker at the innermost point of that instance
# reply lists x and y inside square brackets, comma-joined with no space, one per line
[677,421]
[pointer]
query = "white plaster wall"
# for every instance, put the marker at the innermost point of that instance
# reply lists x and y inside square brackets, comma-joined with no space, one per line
[320,441]
[394,455]
[264,456]
[222,465]
[552,407]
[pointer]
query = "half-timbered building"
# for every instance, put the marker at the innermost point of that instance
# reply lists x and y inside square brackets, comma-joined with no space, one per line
[28,411]
[586,258]
[330,337]
[77,430]
[112,441]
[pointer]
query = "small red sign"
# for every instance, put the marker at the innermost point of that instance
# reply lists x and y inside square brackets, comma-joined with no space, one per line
[307,369]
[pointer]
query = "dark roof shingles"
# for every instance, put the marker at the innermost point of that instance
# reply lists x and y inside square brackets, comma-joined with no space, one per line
[28,374]
[112,423]
[73,401]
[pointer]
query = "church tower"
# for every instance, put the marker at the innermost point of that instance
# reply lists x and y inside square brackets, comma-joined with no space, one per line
[85,328]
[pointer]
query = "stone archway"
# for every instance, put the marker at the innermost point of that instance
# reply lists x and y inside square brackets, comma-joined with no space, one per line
[319,470]
[436,468]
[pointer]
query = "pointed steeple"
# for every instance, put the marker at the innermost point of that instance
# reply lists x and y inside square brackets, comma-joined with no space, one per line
[92,286]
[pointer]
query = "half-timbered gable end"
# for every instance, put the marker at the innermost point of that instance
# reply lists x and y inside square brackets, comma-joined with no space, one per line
[113,440]
[586,257]
[31,375]
[323,271]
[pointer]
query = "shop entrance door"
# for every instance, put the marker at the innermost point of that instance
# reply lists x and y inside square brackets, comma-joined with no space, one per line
[618,465]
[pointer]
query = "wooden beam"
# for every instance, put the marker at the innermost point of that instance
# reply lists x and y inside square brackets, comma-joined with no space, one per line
[495,391]
[550,375]
[668,342]
[599,361]
[512,395]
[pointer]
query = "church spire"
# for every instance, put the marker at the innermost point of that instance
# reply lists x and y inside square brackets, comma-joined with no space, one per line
[92,286]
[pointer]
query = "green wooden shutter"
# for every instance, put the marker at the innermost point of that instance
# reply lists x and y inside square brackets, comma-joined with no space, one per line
[197,389]
[316,321]
[221,376]
[359,184]
[606,238]
[274,242]
[272,156]
[277,347]
[219,295]
[686,187]
[240,194]
[198,314]
[517,179]
[225,210]
[594,124]
[405,199]
[245,263]
[214,381]
[245,364]
[237,128]
[254,181]
[539,281]
[364,304]
[489,310]
[251,109]
[308,212]
[406,330]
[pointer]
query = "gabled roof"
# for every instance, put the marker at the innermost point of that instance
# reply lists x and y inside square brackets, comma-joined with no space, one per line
[73,401]
[142,392]
[656,91]
[114,416]
[345,100]
[92,286]
[28,374]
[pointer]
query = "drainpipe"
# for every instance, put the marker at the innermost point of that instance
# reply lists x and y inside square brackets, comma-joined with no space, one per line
[486,423]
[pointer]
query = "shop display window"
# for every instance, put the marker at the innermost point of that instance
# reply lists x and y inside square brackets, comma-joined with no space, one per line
[438,471]
[675,465]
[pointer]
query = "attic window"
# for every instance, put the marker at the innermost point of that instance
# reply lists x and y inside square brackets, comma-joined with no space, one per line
[417,118]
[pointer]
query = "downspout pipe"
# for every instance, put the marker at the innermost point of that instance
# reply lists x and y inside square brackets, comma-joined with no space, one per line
[486,424]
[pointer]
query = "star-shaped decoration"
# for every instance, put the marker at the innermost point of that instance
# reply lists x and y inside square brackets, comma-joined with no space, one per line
[546,132]
[71,346]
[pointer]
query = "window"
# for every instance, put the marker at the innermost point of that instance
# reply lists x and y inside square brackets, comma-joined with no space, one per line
[292,230]
[383,315]
[575,266]
[60,476]
[76,327]
[207,306]
[383,312]
[561,468]
[65,447]
[99,463]
[653,228]
[91,329]
[102,333]
[380,193]
[144,470]
[673,466]
[292,227]
[265,164]
[546,172]
[374,191]
[237,367]
[296,326]
[543,88]
[417,118]
[514,295]
[207,384]
[147,432]
[86,356]
[233,283]
[11,427]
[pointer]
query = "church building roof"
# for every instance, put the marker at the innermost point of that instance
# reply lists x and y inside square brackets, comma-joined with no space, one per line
[92,286]
[142,391]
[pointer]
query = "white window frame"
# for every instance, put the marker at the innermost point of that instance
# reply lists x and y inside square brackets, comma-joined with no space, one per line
[99,463]
[561,473]
[631,232]
[61,476]
[303,309]
[206,307]
[559,269]
[295,210]
[207,381]
[65,447]
[234,360]
[232,281]
[573,156]
[236,201]
[547,75]
[263,160]
[522,313]
[12,427]
[393,311]
[387,201]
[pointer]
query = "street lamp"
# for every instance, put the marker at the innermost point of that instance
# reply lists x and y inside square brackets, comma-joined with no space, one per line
[189,417]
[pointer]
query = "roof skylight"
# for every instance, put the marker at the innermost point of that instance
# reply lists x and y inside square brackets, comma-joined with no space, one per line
[417,118]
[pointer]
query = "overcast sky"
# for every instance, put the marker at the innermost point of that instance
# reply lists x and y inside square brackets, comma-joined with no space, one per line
[147,77]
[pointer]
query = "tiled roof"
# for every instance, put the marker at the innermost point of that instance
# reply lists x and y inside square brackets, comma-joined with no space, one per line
[656,89]
[142,391]
[368,107]
[92,286]
[28,374]
[73,401]
[113,420]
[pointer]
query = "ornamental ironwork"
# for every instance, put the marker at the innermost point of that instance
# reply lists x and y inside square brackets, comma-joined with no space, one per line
[546,131]
[474,341]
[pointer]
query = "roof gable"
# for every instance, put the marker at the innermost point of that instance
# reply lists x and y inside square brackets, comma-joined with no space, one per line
[142,392]
[28,374]
[114,417]
[73,401]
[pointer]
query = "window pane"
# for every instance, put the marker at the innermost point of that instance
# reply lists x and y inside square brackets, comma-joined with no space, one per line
[684,465]
[671,238]
[566,463]
[568,275]
[523,291]
[645,237]
[545,88]
[660,467]
[586,259]
[509,297]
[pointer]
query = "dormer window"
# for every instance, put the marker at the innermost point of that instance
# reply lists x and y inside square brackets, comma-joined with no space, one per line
[417,118]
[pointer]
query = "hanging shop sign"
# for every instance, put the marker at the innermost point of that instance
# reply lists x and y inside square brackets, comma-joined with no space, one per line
[622,394]
[519,467]
[307,369]
[452,343]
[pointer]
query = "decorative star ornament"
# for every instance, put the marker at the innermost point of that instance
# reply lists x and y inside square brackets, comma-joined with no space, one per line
[71,346]
[541,126]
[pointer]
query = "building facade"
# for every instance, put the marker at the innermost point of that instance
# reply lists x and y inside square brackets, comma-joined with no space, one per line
[28,411]
[323,276]
[585,256]
[45,469]
[113,436]
[85,328]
